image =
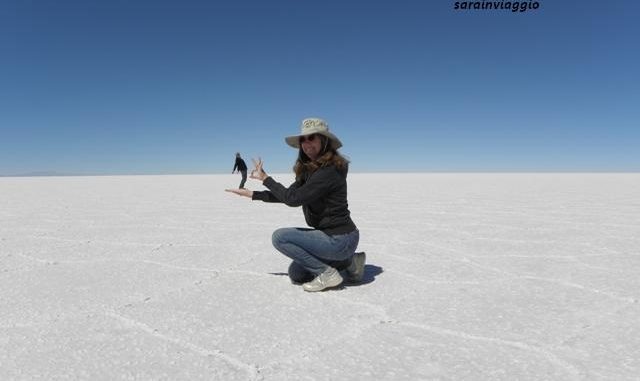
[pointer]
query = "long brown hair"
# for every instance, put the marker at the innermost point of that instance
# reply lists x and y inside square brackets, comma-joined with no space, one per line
[328,156]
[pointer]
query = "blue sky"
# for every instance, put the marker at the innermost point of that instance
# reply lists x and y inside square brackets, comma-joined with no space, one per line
[154,87]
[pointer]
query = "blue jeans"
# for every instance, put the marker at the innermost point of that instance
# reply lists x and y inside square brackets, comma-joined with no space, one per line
[313,249]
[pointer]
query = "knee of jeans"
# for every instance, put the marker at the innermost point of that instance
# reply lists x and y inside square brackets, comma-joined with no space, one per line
[299,274]
[276,237]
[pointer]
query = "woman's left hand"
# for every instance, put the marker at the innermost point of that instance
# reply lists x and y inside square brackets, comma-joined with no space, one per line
[241,192]
[258,173]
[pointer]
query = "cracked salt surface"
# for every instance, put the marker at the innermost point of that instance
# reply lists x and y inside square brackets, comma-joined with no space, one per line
[469,276]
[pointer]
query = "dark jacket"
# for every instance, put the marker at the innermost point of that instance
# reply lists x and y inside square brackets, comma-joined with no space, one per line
[240,165]
[322,195]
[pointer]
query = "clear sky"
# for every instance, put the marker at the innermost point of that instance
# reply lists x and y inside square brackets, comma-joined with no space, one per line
[154,87]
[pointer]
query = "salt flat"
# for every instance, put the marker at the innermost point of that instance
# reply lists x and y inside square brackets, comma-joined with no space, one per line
[469,277]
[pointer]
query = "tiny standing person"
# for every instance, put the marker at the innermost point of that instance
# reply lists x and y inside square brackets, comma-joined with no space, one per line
[241,166]
[320,252]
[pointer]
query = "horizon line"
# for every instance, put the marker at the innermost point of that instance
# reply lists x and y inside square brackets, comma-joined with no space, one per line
[55,174]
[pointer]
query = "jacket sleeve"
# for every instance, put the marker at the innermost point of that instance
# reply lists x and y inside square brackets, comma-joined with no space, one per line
[265,196]
[318,185]
[268,196]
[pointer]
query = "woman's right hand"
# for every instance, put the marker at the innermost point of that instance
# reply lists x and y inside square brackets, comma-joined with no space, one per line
[258,173]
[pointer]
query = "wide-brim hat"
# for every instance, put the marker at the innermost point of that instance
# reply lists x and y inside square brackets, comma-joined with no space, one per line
[312,126]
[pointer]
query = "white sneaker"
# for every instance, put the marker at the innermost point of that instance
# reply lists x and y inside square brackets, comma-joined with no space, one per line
[355,271]
[329,278]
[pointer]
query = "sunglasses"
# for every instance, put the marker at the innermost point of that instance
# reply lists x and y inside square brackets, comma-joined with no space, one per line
[309,138]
